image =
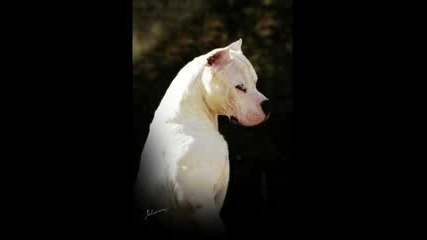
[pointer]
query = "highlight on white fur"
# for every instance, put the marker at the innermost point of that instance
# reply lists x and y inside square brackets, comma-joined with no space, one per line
[237,45]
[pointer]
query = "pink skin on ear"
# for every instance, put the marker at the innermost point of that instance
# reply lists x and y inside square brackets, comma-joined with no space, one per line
[219,58]
[222,56]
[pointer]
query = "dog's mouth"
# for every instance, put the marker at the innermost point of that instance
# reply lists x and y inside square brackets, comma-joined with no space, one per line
[266,117]
[234,120]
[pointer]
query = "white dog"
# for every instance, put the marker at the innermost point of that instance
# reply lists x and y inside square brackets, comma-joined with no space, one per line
[184,169]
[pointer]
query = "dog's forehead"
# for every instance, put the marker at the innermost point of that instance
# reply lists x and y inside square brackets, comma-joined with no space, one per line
[245,63]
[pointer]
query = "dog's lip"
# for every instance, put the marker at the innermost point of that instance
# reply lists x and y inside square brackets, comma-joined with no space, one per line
[234,120]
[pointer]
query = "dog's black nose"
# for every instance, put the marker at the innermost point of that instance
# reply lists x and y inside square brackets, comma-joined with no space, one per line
[265,105]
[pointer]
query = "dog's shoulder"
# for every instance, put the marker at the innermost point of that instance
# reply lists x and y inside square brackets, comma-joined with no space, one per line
[204,149]
[187,147]
[192,137]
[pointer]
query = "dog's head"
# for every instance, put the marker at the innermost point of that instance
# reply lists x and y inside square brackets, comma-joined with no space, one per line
[230,83]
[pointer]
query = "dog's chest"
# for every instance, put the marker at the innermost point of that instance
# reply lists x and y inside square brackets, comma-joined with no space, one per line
[207,152]
[210,150]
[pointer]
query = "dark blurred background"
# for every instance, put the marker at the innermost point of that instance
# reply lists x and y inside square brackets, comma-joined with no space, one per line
[169,33]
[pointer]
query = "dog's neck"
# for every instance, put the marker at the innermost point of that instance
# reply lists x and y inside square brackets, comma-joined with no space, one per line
[184,100]
[195,108]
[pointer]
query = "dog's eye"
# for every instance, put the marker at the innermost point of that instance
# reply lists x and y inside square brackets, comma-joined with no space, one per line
[241,88]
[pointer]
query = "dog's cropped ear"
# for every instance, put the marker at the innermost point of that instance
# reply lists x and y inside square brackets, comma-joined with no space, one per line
[219,58]
[236,46]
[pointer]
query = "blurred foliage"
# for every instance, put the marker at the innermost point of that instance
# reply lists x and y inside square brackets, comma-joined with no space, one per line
[170,33]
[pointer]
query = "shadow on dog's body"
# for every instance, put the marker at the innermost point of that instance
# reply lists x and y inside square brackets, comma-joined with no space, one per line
[184,167]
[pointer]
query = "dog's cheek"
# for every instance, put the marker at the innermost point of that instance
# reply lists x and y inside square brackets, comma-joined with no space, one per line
[230,108]
[237,108]
[215,97]
[212,84]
